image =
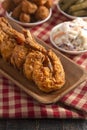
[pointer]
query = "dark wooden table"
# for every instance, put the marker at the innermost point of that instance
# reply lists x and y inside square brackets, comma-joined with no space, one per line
[43,124]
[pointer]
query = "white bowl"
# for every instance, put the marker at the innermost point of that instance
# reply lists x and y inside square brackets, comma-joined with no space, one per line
[73,52]
[8,15]
[68,15]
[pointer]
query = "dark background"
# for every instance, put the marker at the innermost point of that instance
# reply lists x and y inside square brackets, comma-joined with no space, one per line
[43,124]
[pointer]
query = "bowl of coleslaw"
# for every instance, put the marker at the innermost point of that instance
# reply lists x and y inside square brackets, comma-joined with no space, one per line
[70,37]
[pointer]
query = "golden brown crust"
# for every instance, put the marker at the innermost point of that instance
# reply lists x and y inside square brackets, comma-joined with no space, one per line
[8,5]
[40,2]
[38,64]
[18,56]
[30,61]
[16,12]
[25,10]
[32,43]
[25,18]
[42,13]
[46,79]
[7,43]
[49,4]
[7,47]
[28,7]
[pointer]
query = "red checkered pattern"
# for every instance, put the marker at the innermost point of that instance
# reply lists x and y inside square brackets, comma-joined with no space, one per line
[14,103]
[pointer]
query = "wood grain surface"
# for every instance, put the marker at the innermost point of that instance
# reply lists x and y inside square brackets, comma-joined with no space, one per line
[43,124]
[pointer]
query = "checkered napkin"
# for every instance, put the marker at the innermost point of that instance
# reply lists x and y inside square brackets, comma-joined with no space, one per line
[14,103]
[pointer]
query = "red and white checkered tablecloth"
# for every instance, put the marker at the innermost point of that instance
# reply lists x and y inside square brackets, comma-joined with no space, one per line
[14,103]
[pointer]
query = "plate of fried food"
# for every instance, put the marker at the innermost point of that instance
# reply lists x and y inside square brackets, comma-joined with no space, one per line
[73,8]
[27,12]
[70,37]
[36,68]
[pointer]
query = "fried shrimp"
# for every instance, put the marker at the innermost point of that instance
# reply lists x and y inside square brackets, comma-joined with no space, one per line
[29,63]
[7,31]
[18,56]
[48,80]
[31,42]
[7,47]
[4,23]
[9,38]
[37,64]
[2,38]
[19,37]
[7,43]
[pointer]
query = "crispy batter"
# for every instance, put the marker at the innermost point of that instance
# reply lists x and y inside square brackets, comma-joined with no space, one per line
[7,47]
[8,38]
[48,80]
[2,36]
[36,62]
[7,30]
[40,2]
[7,43]
[25,18]
[16,12]
[29,63]
[49,4]
[28,7]
[31,42]
[4,22]
[18,56]
[42,13]
[34,45]
[8,5]
[28,10]
[20,38]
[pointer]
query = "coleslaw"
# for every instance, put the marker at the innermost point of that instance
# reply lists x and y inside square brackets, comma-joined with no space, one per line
[72,35]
